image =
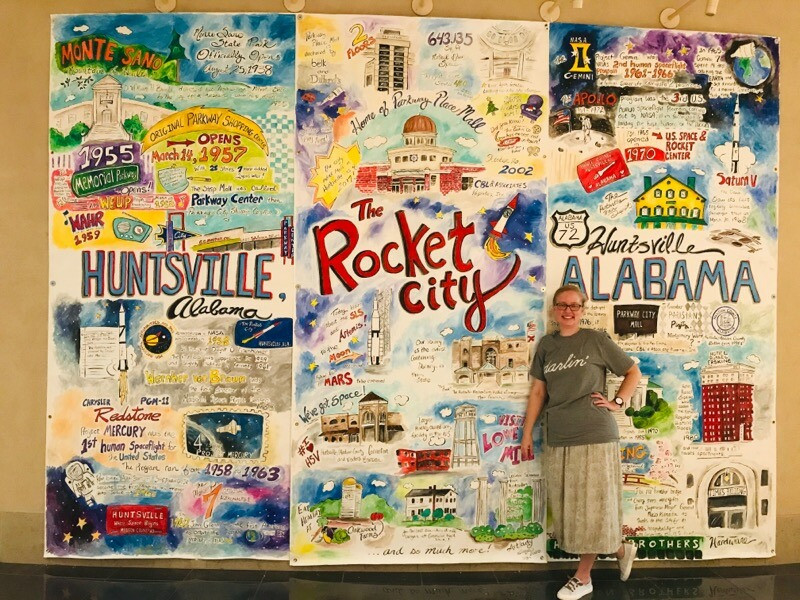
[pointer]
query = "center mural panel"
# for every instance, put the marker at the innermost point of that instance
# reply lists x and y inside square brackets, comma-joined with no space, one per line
[420,276]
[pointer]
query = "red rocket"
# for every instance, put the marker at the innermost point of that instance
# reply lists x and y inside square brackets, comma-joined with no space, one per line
[499,226]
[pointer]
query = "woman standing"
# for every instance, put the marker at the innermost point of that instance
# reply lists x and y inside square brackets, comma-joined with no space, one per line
[581,458]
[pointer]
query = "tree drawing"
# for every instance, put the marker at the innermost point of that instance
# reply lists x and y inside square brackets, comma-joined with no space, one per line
[176,53]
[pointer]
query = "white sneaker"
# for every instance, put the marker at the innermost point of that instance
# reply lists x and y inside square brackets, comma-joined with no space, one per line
[626,562]
[574,589]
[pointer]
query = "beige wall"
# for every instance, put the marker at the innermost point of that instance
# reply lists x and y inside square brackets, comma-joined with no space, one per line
[23,196]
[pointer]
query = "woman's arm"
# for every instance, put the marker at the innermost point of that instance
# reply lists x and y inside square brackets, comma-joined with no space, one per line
[625,391]
[535,403]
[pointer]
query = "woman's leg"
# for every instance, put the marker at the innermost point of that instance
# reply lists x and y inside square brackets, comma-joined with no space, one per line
[584,572]
[586,563]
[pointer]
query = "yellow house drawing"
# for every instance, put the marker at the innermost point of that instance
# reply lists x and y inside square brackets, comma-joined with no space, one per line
[670,203]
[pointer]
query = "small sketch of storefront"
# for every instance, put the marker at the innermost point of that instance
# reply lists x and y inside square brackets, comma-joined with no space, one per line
[732,495]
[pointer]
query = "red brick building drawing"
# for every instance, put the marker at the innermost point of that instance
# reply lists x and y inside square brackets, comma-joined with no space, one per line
[411,461]
[727,393]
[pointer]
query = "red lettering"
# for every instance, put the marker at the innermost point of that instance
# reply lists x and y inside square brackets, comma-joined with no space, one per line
[458,233]
[389,268]
[128,56]
[434,242]
[99,414]
[334,263]
[86,49]
[109,55]
[447,284]
[410,244]
[480,298]
[410,306]
[373,268]
[432,302]
[66,55]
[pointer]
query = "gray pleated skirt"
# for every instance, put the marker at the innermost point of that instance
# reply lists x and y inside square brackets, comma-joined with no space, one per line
[584,495]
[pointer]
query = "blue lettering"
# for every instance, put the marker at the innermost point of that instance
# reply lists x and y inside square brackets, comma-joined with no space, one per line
[650,279]
[96,274]
[718,274]
[627,274]
[744,277]
[680,278]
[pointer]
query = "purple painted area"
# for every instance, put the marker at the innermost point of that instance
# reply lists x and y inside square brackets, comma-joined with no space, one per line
[107,154]
[63,535]
[661,43]
[101,155]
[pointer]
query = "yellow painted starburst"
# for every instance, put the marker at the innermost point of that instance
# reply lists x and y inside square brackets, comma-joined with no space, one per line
[81,523]
[314,302]
[629,45]
[416,200]
[532,278]
[68,537]
[354,340]
[683,51]
[313,322]
[440,215]
[482,210]
[528,236]
[669,52]
[95,536]
[312,367]
[759,98]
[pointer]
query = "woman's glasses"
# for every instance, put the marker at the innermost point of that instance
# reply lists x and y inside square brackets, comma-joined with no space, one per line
[563,306]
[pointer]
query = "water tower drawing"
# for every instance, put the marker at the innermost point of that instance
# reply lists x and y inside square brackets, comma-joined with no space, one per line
[465,436]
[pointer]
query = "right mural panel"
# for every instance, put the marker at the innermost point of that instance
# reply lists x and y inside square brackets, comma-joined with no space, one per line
[663,208]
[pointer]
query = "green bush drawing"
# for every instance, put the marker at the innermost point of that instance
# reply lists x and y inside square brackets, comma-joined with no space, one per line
[484,533]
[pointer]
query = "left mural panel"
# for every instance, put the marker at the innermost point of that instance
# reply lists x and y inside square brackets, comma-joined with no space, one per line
[171,289]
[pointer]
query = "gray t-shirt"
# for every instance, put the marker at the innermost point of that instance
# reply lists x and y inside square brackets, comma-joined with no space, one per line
[573,367]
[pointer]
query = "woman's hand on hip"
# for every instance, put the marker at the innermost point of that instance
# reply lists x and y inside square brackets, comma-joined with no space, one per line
[602,402]
[527,444]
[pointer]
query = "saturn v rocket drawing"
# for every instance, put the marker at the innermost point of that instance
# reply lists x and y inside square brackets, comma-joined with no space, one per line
[378,346]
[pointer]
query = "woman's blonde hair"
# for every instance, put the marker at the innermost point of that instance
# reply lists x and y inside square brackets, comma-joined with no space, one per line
[570,288]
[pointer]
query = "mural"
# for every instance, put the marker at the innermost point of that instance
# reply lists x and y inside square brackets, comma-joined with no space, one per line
[171,172]
[420,210]
[426,185]
[663,206]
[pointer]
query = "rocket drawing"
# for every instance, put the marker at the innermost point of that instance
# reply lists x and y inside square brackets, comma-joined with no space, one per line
[375,334]
[258,334]
[499,226]
[735,144]
[123,344]
[123,357]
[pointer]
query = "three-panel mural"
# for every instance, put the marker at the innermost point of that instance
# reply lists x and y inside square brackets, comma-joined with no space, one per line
[299,266]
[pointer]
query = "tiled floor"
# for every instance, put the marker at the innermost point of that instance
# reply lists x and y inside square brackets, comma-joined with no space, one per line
[33,582]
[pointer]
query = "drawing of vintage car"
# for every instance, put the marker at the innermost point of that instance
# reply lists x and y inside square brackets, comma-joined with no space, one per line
[736,238]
